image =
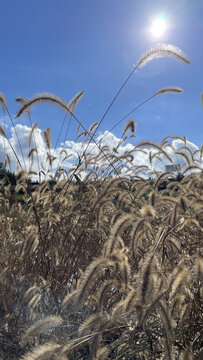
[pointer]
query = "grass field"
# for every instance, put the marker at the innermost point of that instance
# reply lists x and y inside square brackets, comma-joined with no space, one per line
[97,263]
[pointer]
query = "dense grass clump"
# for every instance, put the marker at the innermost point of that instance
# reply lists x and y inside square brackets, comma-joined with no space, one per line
[104,260]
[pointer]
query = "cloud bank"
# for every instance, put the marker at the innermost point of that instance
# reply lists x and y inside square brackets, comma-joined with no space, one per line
[124,157]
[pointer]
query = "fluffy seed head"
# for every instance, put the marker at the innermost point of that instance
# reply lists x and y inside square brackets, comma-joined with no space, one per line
[148,210]
[130,125]
[2,132]
[21,100]
[2,101]
[169,90]
[201,98]
[43,98]
[161,51]
[47,137]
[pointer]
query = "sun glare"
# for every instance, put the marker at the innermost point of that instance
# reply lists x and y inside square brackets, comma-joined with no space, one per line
[159,26]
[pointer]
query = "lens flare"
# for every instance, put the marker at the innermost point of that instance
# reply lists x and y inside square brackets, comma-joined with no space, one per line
[159,26]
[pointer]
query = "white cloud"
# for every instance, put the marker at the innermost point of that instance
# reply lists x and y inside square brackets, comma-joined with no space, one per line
[74,150]
[3,122]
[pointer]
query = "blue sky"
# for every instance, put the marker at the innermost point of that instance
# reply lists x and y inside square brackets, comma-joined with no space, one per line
[63,47]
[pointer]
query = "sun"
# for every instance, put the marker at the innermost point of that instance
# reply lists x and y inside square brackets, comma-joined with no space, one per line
[159,26]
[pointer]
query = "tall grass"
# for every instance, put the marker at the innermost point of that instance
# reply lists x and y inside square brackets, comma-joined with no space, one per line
[103,266]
